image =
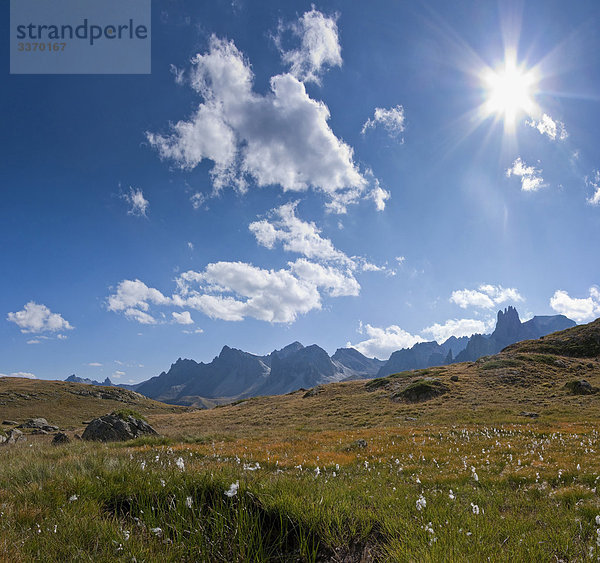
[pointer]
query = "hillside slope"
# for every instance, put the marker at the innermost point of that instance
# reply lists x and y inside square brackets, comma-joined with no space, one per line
[521,384]
[68,404]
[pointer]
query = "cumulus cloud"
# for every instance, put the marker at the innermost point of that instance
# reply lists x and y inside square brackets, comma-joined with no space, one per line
[531,179]
[547,126]
[139,204]
[577,309]
[392,120]
[383,341]
[134,294]
[184,318]
[458,328]
[319,46]
[296,235]
[25,374]
[232,291]
[280,138]
[485,297]
[36,318]
[197,200]
[593,182]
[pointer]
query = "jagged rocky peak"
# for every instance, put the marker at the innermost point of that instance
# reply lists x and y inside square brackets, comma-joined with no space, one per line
[288,350]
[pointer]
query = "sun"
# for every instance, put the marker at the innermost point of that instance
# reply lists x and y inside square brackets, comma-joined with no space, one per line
[509,92]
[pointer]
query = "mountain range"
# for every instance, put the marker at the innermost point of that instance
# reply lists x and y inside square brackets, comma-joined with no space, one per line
[235,374]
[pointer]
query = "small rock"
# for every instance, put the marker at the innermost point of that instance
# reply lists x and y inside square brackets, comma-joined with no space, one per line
[60,438]
[14,436]
[410,418]
[40,431]
[454,378]
[9,422]
[76,436]
[529,414]
[360,443]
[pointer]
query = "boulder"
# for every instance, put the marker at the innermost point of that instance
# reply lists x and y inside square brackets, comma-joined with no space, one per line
[116,427]
[9,422]
[580,387]
[60,438]
[38,424]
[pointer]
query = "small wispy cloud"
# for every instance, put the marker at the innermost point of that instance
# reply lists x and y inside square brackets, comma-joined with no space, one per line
[554,130]
[392,120]
[593,182]
[138,203]
[531,179]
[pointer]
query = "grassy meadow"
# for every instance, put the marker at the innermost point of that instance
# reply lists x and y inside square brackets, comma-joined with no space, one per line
[503,465]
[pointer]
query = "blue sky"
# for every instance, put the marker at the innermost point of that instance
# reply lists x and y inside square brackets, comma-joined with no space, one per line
[340,173]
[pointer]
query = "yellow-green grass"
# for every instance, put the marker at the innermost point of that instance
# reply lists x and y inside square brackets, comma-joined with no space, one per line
[351,472]
[67,405]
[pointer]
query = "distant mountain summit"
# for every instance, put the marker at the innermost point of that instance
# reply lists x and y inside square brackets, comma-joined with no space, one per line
[509,329]
[74,379]
[235,374]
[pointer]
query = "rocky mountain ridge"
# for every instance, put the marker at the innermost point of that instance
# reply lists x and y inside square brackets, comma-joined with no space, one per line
[235,374]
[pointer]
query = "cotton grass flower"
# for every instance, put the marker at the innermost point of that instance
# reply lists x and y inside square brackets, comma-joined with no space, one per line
[475,509]
[451,495]
[189,502]
[179,463]
[421,503]
[233,489]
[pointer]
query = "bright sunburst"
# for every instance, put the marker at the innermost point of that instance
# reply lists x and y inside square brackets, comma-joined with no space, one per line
[510,92]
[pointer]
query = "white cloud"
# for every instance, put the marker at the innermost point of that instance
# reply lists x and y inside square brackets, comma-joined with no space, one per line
[36,318]
[319,47]
[139,316]
[296,236]
[95,364]
[280,138]
[531,179]
[337,282]
[392,120]
[400,259]
[486,296]
[383,341]
[577,309]
[594,183]
[34,341]
[232,291]
[139,205]
[549,127]
[190,245]
[197,200]
[458,328]
[118,374]
[132,294]
[178,73]
[379,196]
[24,374]
[196,331]
[183,318]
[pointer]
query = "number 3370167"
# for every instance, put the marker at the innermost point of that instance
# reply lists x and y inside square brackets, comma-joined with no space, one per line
[56,47]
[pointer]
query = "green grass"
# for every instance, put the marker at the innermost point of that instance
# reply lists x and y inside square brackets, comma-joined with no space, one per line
[104,503]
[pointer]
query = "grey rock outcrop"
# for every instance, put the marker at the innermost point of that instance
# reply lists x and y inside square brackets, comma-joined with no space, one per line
[39,424]
[117,428]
